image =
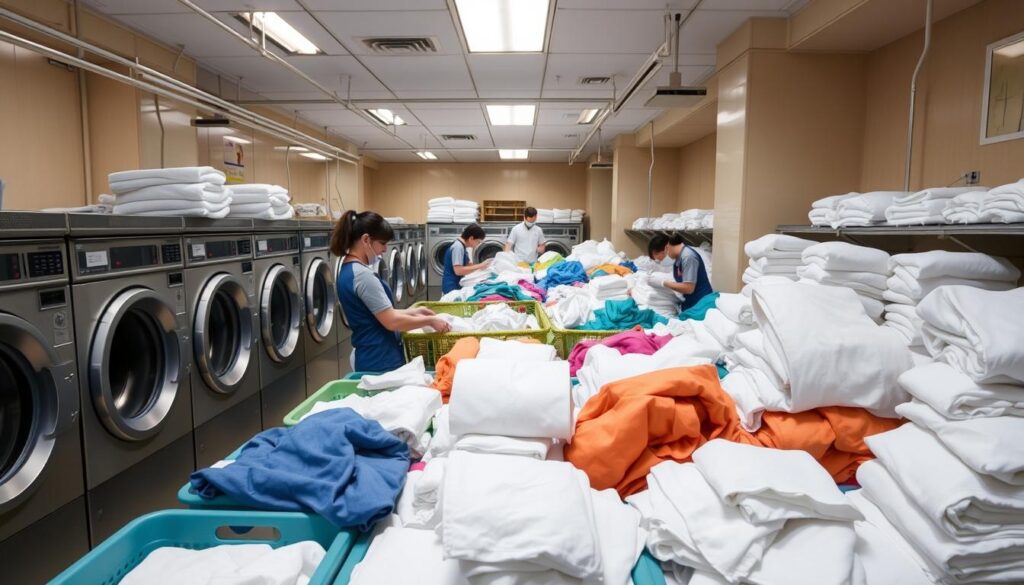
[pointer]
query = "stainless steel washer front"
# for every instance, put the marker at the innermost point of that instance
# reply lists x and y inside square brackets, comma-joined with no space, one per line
[280,313]
[321,300]
[222,333]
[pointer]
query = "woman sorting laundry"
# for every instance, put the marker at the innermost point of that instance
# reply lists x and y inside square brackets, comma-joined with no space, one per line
[361,239]
[688,272]
[456,258]
[656,250]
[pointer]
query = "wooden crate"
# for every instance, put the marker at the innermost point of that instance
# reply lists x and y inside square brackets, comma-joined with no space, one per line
[502,210]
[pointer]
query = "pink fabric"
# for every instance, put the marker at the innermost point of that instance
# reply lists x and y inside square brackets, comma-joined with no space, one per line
[532,290]
[631,341]
[418,466]
[493,298]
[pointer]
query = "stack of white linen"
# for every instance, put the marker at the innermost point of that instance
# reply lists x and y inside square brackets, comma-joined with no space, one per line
[823,211]
[863,269]
[592,253]
[609,287]
[923,207]
[493,317]
[708,222]
[441,210]
[1005,204]
[261,201]
[398,220]
[561,215]
[648,264]
[642,223]
[545,215]
[965,208]
[182,191]
[667,221]
[745,514]
[864,209]
[693,219]
[916,275]
[774,255]
[466,211]
[577,215]
[649,292]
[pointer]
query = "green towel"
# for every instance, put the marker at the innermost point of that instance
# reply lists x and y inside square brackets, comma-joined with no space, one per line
[502,289]
[698,311]
[623,314]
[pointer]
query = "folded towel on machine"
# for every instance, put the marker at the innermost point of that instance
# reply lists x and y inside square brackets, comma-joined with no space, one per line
[125,181]
[171,207]
[441,202]
[176,193]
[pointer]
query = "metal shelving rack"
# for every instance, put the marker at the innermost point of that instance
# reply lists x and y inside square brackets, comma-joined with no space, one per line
[691,237]
[999,239]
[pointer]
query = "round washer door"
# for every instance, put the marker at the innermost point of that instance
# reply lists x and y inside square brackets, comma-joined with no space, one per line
[437,257]
[280,313]
[38,399]
[412,272]
[486,250]
[222,333]
[421,261]
[558,247]
[397,272]
[135,364]
[321,300]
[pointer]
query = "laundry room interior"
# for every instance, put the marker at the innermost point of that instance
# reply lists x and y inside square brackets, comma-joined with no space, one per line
[506,291]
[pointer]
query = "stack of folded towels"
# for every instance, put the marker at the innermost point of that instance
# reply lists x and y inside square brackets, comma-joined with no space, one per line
[1005,204]
[865,270]
[774,255]
[545,215]
[649,292]
[261,201]
[609,287]
[864,209]
[823,211]
[561,215]
[693,219]
[965,208]
[924,207]
[916,275]
[183,191]
[947,489]
[449,210]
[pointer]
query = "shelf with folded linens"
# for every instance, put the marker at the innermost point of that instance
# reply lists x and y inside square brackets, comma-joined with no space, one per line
[998,239]
[693,237]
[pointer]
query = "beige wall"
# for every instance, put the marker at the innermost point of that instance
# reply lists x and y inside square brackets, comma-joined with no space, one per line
[730,174]
[948,107]
[599,203]
[630,187]
[402,189]
[696,180]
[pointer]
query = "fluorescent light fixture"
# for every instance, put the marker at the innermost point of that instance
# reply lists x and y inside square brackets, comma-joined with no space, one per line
[518,115]
[587,116]
[237,140]
[282,33]
[293,148]
[426,155]
[520,154]
[313,155]
[503,26]
[1011,51]
[386,117]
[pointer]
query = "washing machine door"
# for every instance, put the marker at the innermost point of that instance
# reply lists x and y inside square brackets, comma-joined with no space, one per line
[487,249]
[557,247]
[280,313]
[38,401]
[437,257]
[421,262]
[397,274]
[222,335]
[412,272]
[135,364]
[321,300]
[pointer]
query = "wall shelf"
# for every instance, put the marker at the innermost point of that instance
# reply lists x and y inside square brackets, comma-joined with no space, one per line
[691,237]
[999,239]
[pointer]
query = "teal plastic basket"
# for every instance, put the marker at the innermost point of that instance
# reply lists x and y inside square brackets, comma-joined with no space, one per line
[109,562]
[646,572]
[194,501]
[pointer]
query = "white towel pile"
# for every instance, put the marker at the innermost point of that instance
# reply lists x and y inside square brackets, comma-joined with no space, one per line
[229,564]
[559,215]
[864,209]
[493,317]
[774,255]
[395,220]
[865,270]
[592,253]
[649,292]
[745,514]
[916,275]
[823,211]
[182,191]
[690,219]
[545,215]
[1005,204]
[449,210]
[923,207]
[261,201]
[965,208]
[609,287]
[603,365]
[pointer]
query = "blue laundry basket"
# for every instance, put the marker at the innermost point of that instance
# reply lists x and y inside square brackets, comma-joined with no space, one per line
[109,562]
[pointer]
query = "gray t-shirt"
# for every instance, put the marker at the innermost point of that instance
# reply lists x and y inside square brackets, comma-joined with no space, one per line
[686,266]
[525,241]
[459,254]
[370,289]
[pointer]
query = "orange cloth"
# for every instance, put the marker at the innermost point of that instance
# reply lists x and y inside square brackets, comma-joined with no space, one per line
[611,269]
[465,348]
[636,423]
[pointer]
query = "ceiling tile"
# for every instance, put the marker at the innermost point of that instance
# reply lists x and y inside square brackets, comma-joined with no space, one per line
[507,72]
[264,76]
[336,117]
[434,94]
[302,22]
[461,117]
[585,31]
[418,137]
[247,5]
[372,5]
[512,136]
[565,117]
[201,37]
[351,26]
[441,105]
[136,6]
[558,137]
[549,156]
[436,73]
[627,4]
[746,4]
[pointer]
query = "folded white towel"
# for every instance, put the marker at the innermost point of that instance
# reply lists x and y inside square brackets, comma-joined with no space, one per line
[991,446]
[515,399]
[413,373]
[870,284]
[963,503]
[125,181]
[902,283]
[407,555]
[864,208]
[177,192]
[260,189]
[934,194]
[886,557]
[496,349]
[736,307]
[957,397]
[603,365]
[965,208]
[976,331]
[440,201]
[499,445]
[249,209]
[767,244]
[171,207]
[722,328]
[230,564]
[904,319]
[753,390]
[940,263]
[927,212]
[846,256]
[1016,188]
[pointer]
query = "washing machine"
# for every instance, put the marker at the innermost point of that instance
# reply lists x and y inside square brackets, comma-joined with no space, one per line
[278,274]
[392,268]
[321,323]
[220,294]
[131,337]
[441,235]
[43,526]
[416,263]
[561,237]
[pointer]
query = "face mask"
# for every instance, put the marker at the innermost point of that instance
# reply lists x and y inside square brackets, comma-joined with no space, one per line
[529,224]
[372,259]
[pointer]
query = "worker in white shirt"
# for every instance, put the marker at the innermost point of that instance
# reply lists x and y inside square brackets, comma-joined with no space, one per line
[526,239]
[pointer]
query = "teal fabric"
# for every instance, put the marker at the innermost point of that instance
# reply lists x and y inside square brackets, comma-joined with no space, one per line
[622,315]
[721,371]
[503,289]
[699,310]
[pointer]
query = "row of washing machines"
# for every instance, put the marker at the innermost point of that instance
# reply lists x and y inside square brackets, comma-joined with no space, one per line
[134,350]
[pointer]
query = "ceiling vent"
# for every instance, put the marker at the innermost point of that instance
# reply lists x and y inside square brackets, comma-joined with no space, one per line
[594,80]
[403,46]
[453,137]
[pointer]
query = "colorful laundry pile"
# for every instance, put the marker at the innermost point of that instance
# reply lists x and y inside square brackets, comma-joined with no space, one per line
[623,314]
[568,272]
[633,340]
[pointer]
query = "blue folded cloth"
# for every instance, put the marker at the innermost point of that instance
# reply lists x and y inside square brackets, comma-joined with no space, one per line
[623,314]
[698,311]
[629,264]
[335,463]
[568,272]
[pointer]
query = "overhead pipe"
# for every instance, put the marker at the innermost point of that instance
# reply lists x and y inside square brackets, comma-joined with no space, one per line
[174,88]
[417,101]
[913,93]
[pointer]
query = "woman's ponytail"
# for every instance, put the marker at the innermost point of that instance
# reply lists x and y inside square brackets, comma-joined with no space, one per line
[351,226]
[340,239]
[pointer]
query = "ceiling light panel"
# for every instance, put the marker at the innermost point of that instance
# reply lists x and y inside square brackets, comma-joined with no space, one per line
[517,154]
[514,115]
[587,116]
[313,155]
[282,33]
[426,155]
[386,117]
[503,26]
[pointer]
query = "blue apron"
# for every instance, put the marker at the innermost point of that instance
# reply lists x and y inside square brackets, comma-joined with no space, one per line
[701,288]
[377,348]
[451,281]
